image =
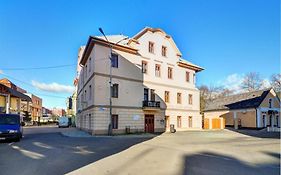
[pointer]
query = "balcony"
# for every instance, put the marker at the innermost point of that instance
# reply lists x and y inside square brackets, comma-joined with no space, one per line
[151,105]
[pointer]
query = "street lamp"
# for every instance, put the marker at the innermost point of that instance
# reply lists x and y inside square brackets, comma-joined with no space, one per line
[110,79]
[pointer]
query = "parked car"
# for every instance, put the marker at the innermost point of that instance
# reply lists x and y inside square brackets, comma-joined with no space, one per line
[63,122]
[10,127]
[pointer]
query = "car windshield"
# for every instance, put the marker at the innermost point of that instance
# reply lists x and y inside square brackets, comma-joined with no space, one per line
[9,120]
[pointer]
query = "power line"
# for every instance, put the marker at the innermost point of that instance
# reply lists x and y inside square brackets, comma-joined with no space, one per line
[53,96]
[37,68]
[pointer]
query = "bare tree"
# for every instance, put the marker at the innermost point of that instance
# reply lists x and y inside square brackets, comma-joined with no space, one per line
[210,93]
[275,82]
[252,82]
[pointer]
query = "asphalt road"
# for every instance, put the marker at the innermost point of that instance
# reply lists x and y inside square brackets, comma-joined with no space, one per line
[196,153]
[44,150]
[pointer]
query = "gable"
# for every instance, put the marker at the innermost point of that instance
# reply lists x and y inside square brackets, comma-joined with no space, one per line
[157,36]
[275,100]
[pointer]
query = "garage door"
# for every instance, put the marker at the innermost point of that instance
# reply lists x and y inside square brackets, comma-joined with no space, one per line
[216,123]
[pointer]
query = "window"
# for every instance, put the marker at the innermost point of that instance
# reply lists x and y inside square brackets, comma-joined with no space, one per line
[114,91]
[90,60]
[145,94]
[90,121]
[179,98]
[190,121]
[86,69]
[151,47]
[179,121]
[170,73]
[90,92]
[157,70]
[277,120]
[164,51]
[144,67]
[187,76]
[85,93]
[114,121]
[190,99]
[167,96]
[152,95]
[167,121]
[270,103]
[194,78]
[114,60]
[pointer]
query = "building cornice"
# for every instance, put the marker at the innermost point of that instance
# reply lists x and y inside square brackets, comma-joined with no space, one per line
[189,66]
[94,40]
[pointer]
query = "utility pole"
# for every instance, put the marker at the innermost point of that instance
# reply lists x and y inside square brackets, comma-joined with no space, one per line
[110,79]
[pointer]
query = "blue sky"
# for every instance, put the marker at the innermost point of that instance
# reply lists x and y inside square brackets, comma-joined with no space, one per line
[227,37]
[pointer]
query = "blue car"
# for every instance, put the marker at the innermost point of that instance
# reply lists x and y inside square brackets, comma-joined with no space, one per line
[10,127]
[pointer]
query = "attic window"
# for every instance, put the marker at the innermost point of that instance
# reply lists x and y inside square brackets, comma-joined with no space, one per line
[270,103]
[151,47]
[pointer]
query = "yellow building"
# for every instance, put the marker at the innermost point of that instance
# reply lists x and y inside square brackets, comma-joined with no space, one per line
[257,109]
[10,100]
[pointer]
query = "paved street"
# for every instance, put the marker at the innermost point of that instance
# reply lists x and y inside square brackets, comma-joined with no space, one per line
[195,153]
[44,150]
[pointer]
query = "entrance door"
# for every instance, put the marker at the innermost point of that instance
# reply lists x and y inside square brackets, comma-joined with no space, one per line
[149,123]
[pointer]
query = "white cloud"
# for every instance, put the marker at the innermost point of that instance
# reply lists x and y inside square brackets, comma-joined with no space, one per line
[52,87]
[232,82]
[1,71]
[266,83]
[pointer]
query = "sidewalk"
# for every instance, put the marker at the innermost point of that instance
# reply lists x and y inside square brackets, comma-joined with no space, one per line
[75,133]
[79,133]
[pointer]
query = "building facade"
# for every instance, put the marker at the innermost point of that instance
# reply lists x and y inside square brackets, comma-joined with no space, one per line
[152,86]
[257,109]
[12,99]
[58,112]
[36,107]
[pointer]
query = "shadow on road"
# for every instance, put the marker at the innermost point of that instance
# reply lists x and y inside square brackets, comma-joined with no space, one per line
[207,163]
[52,153]
[256,133]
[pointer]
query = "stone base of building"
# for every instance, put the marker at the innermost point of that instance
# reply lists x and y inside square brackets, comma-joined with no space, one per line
[96,120]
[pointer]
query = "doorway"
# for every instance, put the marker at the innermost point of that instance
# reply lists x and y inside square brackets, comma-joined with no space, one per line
[149,123]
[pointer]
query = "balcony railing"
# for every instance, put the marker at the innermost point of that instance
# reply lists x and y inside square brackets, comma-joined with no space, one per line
[151,104]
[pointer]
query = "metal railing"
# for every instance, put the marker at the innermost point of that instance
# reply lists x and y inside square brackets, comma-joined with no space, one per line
[151,104]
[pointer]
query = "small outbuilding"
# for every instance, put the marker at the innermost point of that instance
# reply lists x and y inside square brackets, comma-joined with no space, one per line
[257,110]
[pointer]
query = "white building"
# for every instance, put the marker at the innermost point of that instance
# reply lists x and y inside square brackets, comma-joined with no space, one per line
[153,86]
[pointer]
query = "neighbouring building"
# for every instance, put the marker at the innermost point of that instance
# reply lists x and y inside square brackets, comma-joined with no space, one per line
[10,99]
[36,107]
[76,79]
[46,111]
[58,112]
[257,109]
[152,85]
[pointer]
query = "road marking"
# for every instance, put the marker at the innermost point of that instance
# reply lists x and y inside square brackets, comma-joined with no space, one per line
[11,143]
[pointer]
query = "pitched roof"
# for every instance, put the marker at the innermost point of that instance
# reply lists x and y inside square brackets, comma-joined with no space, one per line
[15,93]
[238,101]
